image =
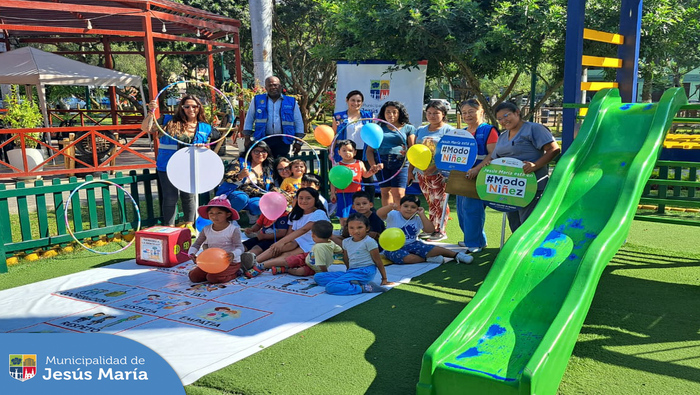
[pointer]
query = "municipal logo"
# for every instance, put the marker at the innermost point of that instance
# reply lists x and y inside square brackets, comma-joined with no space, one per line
[379,89]
[22,366]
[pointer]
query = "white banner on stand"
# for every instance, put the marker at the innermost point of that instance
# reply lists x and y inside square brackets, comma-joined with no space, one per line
[379,85]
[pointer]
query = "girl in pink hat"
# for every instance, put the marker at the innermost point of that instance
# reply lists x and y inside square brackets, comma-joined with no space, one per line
[223,233]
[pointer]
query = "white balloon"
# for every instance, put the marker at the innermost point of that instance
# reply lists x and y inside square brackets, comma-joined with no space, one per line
[195,169]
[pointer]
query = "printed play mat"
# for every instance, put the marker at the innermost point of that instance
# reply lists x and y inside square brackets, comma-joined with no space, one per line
[196,328]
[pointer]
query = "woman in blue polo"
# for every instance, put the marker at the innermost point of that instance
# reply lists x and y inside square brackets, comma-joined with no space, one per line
[187,125]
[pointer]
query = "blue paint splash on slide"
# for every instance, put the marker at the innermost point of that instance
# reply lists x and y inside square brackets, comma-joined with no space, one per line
[493,331]
[495,376]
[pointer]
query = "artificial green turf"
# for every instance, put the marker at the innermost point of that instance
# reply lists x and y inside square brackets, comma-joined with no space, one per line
[640,336]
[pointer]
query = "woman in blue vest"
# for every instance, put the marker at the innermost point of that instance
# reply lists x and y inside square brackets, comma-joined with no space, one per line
[186,125]
[392,152]
[470,212]
[346,128]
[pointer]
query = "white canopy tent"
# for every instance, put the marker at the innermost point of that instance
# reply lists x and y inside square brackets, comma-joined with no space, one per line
[31,66]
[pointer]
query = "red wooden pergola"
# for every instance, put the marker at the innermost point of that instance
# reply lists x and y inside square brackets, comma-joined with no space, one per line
[25,23]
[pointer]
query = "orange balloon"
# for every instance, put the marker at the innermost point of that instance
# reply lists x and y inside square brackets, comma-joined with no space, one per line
[324,135]
[213,260]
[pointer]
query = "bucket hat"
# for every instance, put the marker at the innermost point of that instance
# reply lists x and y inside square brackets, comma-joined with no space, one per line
[219,201]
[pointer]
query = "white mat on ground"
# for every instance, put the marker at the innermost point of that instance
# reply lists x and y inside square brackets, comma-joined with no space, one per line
[196,328]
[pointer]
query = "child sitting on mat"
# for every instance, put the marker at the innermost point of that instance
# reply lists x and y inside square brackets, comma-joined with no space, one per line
[308,263]
[264,233]
[361,257]
[410,218]
[223,233]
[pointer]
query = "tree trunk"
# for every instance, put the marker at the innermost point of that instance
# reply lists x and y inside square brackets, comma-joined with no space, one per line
[647,86]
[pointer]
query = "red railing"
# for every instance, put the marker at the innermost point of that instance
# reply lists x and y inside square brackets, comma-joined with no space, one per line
[126,156]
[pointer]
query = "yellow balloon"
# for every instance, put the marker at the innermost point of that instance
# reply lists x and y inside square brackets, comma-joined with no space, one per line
[419,156]
[392,239]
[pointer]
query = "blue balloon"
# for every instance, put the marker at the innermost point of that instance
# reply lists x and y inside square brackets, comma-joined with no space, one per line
[254,206]
[238,200]
[372,135]
[200,223]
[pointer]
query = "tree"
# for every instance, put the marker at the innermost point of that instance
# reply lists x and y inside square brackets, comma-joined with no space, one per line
[473,39]
[299,47]
[300,56]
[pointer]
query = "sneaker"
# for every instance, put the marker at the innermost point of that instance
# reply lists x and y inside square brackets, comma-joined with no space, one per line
[435,259]
[372,287]
[474,250]
[461,244]
[464,258]
[424,235]
[254,272]
[437,237]
[279,270]
[248,260]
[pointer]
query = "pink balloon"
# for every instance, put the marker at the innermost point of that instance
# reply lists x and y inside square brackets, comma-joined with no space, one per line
[273,205]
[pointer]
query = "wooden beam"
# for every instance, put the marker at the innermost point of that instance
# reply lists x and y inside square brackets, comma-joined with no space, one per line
[196,23]
[193,40]
[70,30]
[597,61]
[596,86]
[51,6]
[604,37]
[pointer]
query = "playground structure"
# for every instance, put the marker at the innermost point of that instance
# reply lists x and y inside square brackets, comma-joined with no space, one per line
[517,334]
[101,26]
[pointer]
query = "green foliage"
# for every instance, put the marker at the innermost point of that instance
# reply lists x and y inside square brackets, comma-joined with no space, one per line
[459,38]
[23,114]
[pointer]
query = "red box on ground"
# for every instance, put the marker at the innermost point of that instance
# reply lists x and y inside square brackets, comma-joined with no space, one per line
[164,246]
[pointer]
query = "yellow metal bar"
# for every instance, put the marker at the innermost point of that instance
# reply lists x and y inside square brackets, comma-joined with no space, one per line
[596,86]
[582,112]
[596,35]
[597,61]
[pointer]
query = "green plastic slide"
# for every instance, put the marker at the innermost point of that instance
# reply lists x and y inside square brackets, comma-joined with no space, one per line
[517,334]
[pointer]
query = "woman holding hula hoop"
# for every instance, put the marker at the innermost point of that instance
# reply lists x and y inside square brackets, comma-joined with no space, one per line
[392,152]
[245,183]
[347,125]
[186,126]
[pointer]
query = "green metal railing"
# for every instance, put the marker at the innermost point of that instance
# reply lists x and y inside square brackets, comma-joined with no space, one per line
[39,210]
[677,186]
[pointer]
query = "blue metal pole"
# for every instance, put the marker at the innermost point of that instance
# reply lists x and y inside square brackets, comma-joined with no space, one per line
[630,28]
[576,10]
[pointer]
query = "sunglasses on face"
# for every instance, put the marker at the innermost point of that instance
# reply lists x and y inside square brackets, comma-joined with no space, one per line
[187,106]
[283,168]
[259,152]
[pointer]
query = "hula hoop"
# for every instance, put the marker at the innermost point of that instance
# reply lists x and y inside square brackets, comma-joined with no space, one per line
[405,158]
[247,155]
[223,135]
[70,232]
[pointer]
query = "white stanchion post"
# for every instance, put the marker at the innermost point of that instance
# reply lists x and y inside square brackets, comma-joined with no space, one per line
[444,210]
[503,230]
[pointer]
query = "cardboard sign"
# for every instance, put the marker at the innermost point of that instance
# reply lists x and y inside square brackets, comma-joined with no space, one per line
[505,186]
[459,184]
[456,150]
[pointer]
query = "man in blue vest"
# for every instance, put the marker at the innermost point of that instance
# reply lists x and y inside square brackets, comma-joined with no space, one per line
[274,114]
